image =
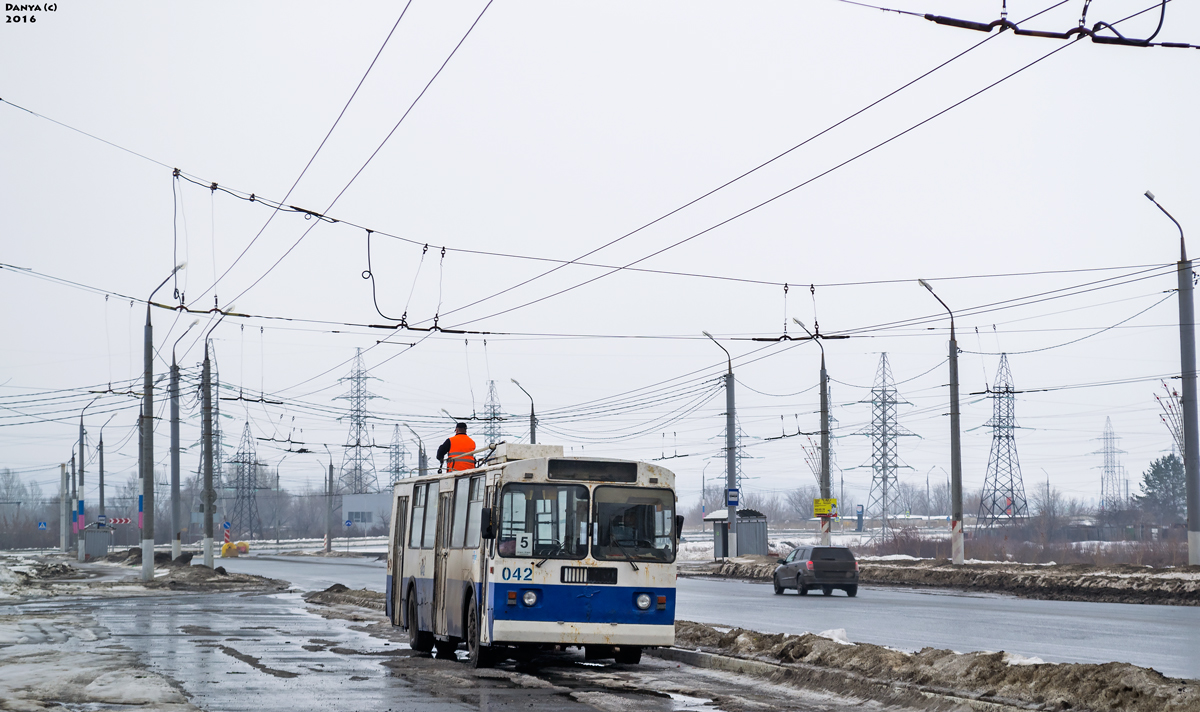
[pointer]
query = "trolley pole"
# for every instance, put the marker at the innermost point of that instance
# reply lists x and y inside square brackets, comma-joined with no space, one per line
[1187,358]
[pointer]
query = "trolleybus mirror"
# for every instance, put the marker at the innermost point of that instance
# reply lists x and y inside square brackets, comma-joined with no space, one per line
[678,525]
[487,531]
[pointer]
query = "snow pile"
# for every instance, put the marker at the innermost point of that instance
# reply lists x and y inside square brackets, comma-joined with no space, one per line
[50,662]
[1003,679]
[837,635]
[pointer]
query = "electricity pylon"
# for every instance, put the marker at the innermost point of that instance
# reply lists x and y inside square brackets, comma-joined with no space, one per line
[358,463]
[1003,487]
[492,417]
[885,432]
[245,519]
[397,454]
[1112,491]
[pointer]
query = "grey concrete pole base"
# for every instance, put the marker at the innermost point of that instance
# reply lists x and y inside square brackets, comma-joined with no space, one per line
[147,559]
[208,552]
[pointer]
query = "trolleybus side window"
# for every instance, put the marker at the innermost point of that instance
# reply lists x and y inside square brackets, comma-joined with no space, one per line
[634,523]
[542,520]
[460,512]
[474,510]
[418,516]
[431,512]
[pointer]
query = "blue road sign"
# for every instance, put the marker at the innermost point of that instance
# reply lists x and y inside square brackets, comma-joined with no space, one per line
[349,523]
[101,519]
[731,497]
[42,526]
[224,525]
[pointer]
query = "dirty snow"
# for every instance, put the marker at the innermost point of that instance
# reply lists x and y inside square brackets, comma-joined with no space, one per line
[837,635]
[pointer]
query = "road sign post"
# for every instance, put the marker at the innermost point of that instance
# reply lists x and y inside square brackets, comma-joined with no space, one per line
[348,525]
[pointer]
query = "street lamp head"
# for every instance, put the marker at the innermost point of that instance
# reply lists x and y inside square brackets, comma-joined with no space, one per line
[515,382]
[1150,196]
[708,335]
[925,284]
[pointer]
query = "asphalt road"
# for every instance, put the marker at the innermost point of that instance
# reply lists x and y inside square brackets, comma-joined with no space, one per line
[1161,637]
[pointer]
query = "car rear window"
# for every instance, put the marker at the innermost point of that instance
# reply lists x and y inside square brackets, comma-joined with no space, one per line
[832,554]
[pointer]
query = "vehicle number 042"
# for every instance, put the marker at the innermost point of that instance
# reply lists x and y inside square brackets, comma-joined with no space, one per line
[517,574]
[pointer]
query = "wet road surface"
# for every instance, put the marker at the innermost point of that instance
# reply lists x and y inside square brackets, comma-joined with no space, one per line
[274,652]
[1161,637]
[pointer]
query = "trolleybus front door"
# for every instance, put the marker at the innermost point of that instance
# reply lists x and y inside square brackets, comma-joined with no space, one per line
[440,561]
[396,564]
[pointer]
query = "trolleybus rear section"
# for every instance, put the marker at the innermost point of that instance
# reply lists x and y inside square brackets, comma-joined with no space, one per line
[534,549]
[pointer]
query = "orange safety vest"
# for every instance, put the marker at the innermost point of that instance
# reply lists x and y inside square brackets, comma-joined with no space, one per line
[457,458]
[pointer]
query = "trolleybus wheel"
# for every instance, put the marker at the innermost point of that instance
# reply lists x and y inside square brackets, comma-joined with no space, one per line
[778,588]
[419,640]
[629,655]
[478,656]
[827,590]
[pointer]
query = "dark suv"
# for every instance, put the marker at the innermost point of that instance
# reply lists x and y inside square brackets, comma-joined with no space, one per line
[824,567]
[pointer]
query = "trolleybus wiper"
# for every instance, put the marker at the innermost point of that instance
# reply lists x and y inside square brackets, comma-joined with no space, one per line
[558,546]
[626,553]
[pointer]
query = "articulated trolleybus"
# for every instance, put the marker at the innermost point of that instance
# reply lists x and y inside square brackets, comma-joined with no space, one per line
[532,550]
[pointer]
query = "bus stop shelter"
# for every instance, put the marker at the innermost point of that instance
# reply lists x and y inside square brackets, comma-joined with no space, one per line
[751,533]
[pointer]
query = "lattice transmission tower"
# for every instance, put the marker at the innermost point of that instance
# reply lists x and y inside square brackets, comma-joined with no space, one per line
[885,431]
[1003,487]
[358,463]
[492,417]
[397,457]
[244,518]
[1112,472]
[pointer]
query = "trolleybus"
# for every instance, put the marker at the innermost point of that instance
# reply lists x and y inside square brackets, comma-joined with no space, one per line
[530,550]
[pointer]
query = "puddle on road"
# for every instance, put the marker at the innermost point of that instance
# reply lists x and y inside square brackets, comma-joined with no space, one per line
[685,703]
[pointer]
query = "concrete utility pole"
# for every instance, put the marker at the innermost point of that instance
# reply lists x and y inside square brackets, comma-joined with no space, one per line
[82,517]
[176,515]
[329,505]
[422,464]
[730,454]
[825,485]
[74,499]
[100,456]
[64,490]
[1187,358]
[956,516]
[207,497]
[532,417]
[148,438]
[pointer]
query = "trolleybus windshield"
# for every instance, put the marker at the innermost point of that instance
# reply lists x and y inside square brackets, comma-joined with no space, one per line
[544,521]
[634,523]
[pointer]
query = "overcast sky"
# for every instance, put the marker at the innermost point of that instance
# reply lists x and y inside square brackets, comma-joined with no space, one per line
[554,129]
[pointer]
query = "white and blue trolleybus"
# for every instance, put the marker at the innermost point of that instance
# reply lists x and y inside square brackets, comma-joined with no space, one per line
[532,550]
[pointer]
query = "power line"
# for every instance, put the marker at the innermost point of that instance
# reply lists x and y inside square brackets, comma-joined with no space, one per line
[374,153]
[314,155]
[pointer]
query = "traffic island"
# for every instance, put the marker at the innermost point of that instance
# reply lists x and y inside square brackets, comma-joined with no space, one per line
[941,678]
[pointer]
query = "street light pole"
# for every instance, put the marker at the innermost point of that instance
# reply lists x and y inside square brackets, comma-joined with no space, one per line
[422,465]
[208,496]
[148,437]
[730,455]
[1187,358]
[100,454]
[532,417]
[956,515]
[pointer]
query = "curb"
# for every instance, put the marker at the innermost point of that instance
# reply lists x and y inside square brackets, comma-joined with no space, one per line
[827,680]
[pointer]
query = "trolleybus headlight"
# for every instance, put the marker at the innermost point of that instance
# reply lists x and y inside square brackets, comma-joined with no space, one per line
[643,601]
[529,598]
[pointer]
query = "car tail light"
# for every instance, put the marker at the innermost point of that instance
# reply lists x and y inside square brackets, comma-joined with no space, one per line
[856,566]
[808,565]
